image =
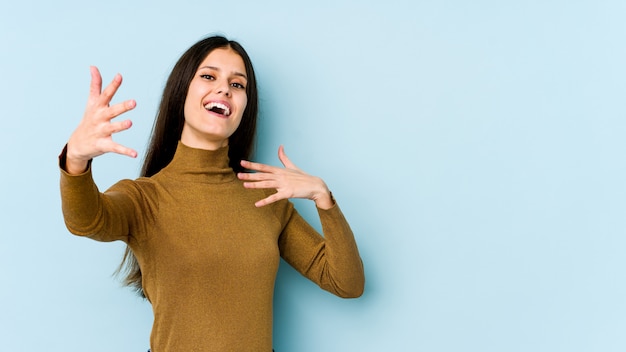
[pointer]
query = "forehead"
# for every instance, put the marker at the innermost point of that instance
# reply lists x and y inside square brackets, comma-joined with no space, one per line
[224,59]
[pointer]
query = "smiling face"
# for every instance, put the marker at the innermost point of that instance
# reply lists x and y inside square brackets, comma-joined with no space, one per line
[215,101]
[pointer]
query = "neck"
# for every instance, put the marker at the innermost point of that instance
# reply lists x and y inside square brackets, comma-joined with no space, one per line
[200,165]
[193,141]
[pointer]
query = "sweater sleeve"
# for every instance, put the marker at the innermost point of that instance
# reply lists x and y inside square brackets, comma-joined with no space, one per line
[106,217]
[332,261]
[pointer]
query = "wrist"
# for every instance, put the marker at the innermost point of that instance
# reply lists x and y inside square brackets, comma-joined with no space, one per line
[76,167]
[323,198]
[71,164]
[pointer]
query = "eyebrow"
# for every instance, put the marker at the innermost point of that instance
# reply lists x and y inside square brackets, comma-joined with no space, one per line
[236,73]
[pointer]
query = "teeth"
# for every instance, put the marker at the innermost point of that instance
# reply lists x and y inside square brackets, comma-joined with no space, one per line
[213,104]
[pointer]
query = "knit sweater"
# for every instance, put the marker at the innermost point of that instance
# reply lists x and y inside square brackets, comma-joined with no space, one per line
[208,256]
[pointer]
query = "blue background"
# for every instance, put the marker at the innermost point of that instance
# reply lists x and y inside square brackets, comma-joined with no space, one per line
[475,147]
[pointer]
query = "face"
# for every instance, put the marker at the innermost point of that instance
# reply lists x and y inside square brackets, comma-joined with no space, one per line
[215,101]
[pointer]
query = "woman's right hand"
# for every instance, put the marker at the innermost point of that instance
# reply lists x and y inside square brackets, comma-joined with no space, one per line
[93,136]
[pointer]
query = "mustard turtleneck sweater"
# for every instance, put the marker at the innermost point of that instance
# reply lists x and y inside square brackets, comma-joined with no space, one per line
[208,256]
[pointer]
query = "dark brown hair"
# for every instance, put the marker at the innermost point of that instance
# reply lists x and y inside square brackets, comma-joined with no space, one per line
[168,126]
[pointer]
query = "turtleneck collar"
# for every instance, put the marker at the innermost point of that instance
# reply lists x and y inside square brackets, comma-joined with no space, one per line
[200,165]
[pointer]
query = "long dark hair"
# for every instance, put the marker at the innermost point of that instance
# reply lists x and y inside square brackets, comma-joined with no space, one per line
[168,127]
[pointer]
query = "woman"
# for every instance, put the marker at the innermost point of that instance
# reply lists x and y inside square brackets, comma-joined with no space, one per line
[205,237]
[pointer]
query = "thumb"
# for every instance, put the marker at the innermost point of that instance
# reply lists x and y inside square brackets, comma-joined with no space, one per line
[284,159]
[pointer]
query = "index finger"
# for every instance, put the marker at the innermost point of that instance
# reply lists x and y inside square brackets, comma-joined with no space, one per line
[111,89]
[257,166]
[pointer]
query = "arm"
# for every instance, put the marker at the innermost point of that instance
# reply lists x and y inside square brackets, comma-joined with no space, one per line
[105,216]
[86,211]
[331,261]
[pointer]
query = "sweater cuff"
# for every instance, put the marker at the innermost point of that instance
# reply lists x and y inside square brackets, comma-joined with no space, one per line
[63,162]
[331,210]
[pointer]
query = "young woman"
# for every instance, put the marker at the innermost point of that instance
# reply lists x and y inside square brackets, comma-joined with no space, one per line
[204,236]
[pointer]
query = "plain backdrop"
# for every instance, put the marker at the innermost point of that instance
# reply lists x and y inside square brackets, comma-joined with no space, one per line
[476,147]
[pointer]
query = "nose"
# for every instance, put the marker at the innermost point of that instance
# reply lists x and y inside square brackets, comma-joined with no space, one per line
[224,88]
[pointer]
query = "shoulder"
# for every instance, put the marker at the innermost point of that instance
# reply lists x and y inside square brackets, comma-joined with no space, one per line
[140,187]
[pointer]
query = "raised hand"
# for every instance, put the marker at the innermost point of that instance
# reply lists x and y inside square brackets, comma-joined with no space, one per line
[93,136]
[289,182]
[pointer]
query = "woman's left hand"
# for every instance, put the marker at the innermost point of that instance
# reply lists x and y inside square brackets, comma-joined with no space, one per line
[289,182]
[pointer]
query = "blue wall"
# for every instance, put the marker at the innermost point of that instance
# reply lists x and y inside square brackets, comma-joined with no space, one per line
[477,149]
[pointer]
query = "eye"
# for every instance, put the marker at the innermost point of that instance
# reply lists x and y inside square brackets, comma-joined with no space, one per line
[237,85]
[208,77]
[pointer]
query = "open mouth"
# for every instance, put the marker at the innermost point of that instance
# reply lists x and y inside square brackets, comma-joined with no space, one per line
[218,108]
